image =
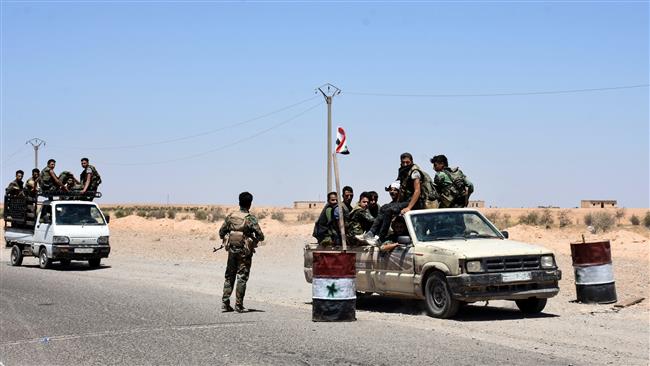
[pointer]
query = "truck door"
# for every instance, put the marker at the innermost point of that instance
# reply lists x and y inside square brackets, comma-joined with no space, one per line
[395,270]
[43,232]
[365,263]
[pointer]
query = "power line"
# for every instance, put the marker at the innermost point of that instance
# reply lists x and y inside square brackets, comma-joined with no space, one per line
[19,151]
[545,92]
[208,132]
[222,147]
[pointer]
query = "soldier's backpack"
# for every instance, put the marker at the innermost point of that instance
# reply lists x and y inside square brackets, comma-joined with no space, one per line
[237,223]
[427,189]
[458,179]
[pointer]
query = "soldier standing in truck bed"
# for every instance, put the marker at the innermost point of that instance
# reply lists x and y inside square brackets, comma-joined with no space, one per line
[89,177]
[242,232]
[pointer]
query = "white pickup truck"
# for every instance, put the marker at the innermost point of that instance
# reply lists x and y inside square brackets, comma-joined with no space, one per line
[62,230]
[451,257]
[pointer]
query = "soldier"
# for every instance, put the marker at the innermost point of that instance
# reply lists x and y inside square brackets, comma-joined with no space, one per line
[452,185]
[49,180]
[384,217]
[348,195]
[15,188]
[373,206]
[360,219]
[243,233]
[32,184]
[326,228]
[399,228]
[89,177]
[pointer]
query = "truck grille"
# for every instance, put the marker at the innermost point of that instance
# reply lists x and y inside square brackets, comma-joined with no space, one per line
[502,264]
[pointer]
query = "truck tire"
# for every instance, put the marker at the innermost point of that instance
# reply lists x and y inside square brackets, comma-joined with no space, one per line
[16,256]
[94,263]
[43,261]
[531,306]
[438,299]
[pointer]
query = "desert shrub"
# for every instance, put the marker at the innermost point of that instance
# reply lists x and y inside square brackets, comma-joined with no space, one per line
[531,218]
[646,220]
[142,213]
[157,214]
[603,221]
[217,214]
[278,215]
[201,215]
[620,213]
[546,218]
[563,218]
[589,219]
[262,214]
[306,216]
[121,213]
[493,217]
[635,220]
[506,220]
[171,213]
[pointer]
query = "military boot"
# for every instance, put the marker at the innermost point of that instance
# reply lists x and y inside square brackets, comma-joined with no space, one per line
[226,308]
[239,308]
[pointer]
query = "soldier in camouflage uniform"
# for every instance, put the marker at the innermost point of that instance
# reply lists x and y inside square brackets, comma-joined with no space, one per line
[32,184]
[452,185]
[49,180]
[242,233]
[15,188]
[89,177]
[326,228]
[360,219]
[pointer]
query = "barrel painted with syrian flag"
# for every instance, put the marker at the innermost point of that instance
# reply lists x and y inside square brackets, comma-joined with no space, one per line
[334,296]
[594,273]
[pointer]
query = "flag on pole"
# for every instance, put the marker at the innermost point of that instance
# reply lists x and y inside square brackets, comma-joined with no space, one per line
[341,142]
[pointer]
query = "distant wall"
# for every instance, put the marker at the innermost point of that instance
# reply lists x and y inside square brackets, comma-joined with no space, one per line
[598,203]
[308,204]
[476,204]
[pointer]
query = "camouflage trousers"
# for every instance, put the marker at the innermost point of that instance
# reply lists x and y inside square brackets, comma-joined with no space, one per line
[239,268]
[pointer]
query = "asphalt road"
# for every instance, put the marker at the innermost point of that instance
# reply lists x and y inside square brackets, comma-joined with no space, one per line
[82,317]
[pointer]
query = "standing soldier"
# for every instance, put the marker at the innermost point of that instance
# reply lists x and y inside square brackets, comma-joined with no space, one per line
[451,183]
[15,188]
[32,184]
[49,180]
[89,177]
[242,233]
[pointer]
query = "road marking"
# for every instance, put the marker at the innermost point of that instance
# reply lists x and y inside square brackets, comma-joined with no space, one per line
[111,333]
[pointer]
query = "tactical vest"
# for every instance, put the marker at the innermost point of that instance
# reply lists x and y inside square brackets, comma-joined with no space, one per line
[427,190]
[96,179]
[454,188]
[46,179]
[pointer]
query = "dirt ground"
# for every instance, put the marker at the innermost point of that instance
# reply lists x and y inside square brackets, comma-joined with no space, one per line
[604,334]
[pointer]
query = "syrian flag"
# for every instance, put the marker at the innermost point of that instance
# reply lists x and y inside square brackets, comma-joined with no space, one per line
[341,142]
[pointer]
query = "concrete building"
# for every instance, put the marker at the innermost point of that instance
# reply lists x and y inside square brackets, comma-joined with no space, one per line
[476,204]
[308,204]
[598,203]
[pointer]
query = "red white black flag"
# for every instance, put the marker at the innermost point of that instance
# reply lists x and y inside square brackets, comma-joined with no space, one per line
[341,142]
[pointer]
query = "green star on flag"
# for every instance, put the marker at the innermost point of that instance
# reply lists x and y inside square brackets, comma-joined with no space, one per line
[331,290]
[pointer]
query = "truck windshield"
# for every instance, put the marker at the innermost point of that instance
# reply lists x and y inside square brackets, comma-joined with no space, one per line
[75,214]
[433,226]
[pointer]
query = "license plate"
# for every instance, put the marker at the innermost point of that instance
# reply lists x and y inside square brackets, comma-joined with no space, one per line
[516,276]
[83,250]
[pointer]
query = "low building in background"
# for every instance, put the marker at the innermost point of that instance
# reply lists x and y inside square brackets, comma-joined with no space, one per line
[598,203]
[476,204]
[308,204]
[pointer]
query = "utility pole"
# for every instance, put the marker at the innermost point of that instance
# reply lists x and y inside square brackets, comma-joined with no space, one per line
[36,143]
[329,91]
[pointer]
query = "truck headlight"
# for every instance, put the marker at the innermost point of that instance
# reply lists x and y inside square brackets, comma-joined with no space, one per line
[547,261]
[474,266]
[60,240]
[102,240]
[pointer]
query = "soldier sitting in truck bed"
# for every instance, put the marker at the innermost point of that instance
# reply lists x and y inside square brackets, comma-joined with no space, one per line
[15,188]
[33,183]
[49,180]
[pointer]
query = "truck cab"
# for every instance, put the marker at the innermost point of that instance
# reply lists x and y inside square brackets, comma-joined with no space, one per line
[61,230]
[451,257]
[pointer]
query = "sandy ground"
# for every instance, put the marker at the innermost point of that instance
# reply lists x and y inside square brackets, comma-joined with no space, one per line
[601,334]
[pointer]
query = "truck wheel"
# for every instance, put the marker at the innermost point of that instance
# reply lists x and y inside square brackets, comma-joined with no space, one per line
[65,262]
[43,261]
[531,306]
[438,299]
[16,256]
[94,263]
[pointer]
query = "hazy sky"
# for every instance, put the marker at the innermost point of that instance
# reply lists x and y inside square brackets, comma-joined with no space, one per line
[160,96]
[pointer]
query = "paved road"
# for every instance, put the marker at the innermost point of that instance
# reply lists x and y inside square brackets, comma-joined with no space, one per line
[81,316]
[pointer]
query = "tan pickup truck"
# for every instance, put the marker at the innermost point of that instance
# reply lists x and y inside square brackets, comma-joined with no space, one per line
[451,257]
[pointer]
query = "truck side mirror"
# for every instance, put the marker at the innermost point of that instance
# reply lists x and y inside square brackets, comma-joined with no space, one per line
[108,219]
[505,234]
[404,240]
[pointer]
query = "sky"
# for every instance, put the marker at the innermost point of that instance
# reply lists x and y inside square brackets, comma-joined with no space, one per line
[196,102]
